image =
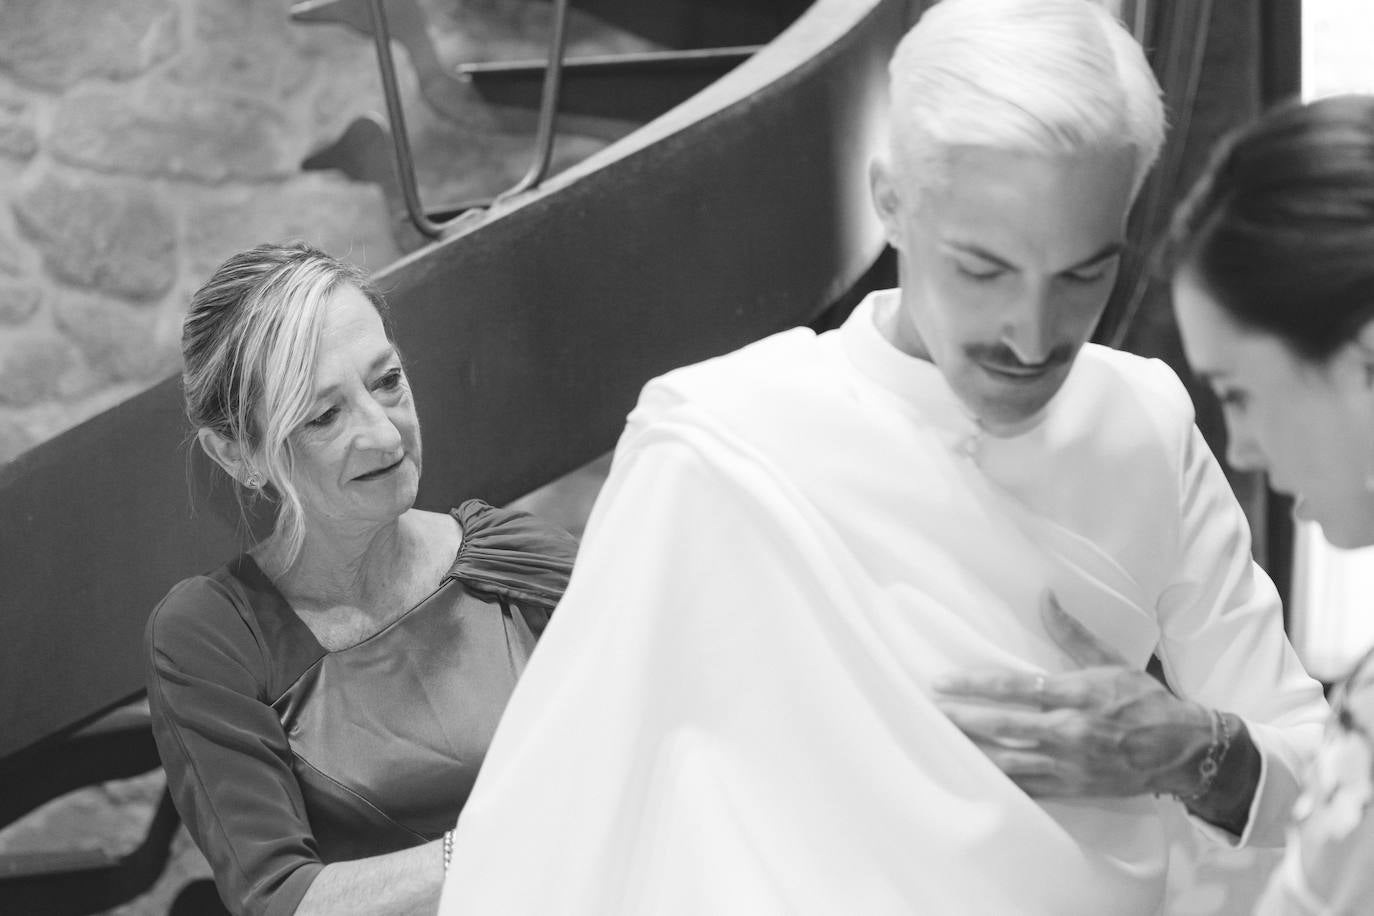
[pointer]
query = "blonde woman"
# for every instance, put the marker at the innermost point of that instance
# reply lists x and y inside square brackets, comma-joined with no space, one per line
[322,702]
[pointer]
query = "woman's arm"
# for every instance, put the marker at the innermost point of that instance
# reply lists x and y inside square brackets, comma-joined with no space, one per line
[227,759]
[395,884]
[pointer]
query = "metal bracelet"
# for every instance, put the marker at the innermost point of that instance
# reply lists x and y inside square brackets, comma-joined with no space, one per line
[1211,762]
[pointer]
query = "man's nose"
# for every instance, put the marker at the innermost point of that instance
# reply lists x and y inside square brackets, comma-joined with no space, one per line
[1029,329]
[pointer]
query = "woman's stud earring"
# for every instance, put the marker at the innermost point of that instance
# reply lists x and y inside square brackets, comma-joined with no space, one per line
[253,481]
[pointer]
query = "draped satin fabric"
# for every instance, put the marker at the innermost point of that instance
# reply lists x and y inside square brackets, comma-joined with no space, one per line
[282,756]
[731,711]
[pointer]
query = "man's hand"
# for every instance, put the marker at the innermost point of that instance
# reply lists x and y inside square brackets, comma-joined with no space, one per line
[1103,730]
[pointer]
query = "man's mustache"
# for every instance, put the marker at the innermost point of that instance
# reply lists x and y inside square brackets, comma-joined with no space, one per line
[1000,356]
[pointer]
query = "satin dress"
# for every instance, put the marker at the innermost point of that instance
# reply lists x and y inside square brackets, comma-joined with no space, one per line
[282,756]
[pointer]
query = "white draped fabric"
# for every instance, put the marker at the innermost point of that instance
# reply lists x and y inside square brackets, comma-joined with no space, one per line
[730,710]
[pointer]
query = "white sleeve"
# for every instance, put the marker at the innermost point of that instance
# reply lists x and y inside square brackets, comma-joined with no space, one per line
[1223,643]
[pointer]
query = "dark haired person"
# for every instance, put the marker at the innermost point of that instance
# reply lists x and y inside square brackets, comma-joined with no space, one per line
[322,703]
[1274,291]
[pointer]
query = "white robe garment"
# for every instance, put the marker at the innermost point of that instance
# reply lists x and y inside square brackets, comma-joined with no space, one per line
[730,711]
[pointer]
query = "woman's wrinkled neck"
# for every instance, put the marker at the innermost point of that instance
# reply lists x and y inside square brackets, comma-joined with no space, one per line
[337,564]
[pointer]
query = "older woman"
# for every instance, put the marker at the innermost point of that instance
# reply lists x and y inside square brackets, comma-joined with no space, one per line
[322,702]
[1274,292]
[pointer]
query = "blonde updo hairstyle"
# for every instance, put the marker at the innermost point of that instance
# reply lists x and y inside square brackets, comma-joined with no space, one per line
[249,344]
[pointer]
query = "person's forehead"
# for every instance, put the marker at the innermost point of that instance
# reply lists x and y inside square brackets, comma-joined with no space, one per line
[352,332]
[1219,347]
[1201,323]
[1060,207]
[347,312]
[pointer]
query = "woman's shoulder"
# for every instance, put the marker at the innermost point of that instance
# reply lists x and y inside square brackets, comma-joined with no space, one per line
[199,600]
[512,552]
[207,615]
[493,528]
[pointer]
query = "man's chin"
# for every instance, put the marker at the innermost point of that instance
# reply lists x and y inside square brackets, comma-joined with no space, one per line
[1011,424]
[1005,405]
[1001,415]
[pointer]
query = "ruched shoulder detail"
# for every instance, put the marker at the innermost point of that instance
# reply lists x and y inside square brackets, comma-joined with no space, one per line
[512,554]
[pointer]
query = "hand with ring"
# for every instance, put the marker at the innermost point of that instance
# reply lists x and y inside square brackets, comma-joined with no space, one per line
[1104,729]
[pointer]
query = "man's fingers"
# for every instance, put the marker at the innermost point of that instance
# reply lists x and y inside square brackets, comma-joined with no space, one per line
[1077,641]
[1037,786]
[1025,765]
[1007,728]
[1038,775]
[1037,691]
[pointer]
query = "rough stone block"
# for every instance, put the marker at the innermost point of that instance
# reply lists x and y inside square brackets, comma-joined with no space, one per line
[18,130]
[244,46]
[347,219]
[32,366]
[112,817]
[12,259]
[18,301]
[172,131]
[345,81]
[470,30]
[55,43]
[111,237]
[119,342]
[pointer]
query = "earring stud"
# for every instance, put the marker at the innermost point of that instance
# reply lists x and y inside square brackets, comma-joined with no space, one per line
[253,481]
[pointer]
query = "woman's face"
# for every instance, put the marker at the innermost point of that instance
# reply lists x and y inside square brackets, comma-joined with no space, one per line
[357,457]
[1309,426]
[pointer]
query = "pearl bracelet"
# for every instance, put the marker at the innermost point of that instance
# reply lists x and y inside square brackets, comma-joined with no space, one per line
[448,849]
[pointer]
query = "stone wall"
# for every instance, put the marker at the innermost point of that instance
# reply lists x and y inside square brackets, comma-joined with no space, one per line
[143,141]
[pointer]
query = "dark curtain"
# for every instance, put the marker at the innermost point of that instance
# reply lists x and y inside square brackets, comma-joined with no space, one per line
[1221,63]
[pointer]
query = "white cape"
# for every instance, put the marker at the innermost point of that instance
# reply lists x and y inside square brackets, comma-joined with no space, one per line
[729,712]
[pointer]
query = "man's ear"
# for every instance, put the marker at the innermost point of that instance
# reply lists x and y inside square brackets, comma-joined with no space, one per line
[887,201]
[225,453]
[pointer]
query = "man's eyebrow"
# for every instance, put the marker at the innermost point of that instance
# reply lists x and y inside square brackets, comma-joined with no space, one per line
[1106,252]
[979,251]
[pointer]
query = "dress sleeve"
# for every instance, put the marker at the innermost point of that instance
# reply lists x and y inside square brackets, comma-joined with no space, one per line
[513,554]
[1223,642]
[1325,871]
[227,759]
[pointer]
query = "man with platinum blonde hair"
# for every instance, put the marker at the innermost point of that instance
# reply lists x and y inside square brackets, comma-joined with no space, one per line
[963,79]
[861,619]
